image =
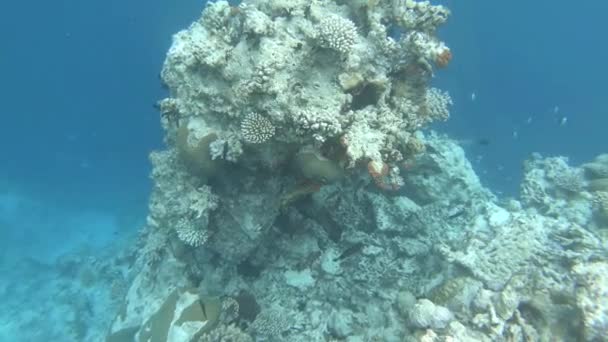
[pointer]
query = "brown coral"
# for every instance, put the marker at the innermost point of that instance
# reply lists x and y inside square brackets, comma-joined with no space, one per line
[443,58]
[384,178]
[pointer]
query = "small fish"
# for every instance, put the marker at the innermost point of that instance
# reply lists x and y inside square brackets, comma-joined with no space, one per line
[203,307]
[483,141]
[356,248]
[473,96]
[456,214]
[556,109]
[529,120]
[515,135]
[563,121]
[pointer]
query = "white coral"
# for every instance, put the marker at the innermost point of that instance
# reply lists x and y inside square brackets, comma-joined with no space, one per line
[363,142]
[256,129]
[420,15]
[437,104]
[321,124]
[191,234]
[425,314]
[495,261]
[424,47]
[337,33]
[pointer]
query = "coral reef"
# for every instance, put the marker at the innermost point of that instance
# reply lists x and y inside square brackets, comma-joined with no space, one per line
[260,63]
[301,197]
[554,188]
[443,259]
[300,193]
[284,93]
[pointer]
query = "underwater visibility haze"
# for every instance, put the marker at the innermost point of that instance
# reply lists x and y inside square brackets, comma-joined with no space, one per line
[303,170]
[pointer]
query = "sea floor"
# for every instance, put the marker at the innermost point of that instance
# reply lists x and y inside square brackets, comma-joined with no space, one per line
[63,269]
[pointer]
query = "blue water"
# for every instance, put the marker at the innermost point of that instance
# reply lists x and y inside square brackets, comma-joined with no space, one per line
[79,83]
[537,61]
[80,78]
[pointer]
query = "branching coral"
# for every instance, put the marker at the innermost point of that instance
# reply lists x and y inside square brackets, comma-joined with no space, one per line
[437,104]
[337,33]
[420,15]
[320,124]
[190,233]
[427,49]
[256,129]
